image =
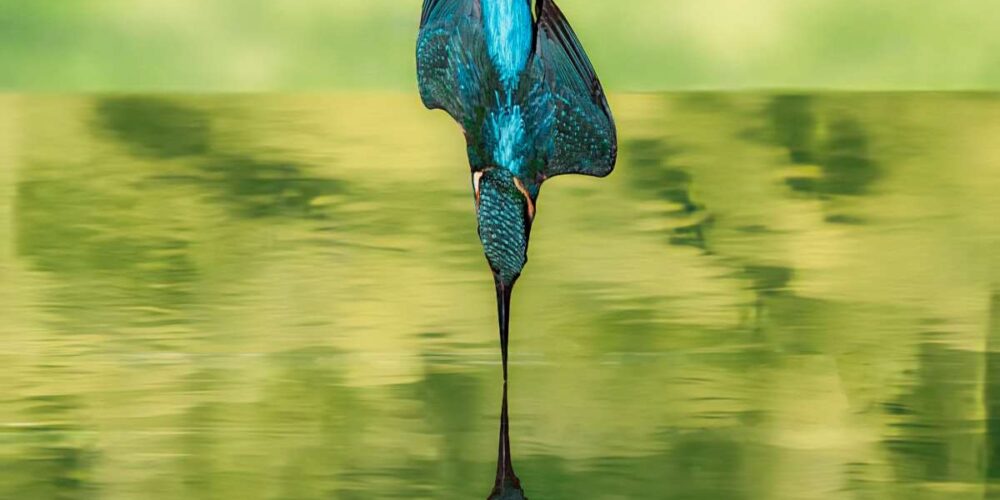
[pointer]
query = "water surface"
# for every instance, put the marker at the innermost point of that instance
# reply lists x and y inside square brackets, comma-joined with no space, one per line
[283,297]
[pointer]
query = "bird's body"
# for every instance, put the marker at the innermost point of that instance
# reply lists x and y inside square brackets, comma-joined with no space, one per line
[531,107]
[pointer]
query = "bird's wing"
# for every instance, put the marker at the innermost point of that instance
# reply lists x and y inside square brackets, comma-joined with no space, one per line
[572,123]
[452,60]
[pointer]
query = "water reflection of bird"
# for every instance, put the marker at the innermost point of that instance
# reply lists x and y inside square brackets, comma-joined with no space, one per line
[531,107]
[507,485]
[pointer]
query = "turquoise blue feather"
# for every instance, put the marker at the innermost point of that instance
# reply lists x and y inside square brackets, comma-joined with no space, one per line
[502,75]
[507,138]
[509,28]
[528,100]
[503,225]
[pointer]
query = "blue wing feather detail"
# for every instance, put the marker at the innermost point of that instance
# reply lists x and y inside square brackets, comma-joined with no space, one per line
[574,129]
[452,59]
[555,122]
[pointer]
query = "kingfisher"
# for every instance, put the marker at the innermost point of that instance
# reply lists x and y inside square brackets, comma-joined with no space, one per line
[531,106]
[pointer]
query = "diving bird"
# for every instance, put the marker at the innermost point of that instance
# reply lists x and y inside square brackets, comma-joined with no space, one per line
[526,95]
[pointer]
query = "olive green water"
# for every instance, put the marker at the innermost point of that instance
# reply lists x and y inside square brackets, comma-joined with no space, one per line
[283,297]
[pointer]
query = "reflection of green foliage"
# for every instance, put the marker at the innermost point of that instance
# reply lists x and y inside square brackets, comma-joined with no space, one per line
[768,279]
[991,394]
[271,297]
[156,127]
[794,125]
[78,232]
[931,419]
[56,212]
[848,167]
[653,174]
[701,465]
[451,399]
[163,129]
[843,157]
[52,462]
[260,189]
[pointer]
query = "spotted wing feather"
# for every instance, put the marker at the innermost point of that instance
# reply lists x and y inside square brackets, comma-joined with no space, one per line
[573,125]
[452,61]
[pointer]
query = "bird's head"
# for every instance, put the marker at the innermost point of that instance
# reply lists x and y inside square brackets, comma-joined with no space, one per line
[505,209]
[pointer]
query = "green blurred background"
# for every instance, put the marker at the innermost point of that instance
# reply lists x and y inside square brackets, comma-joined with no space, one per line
[254,45]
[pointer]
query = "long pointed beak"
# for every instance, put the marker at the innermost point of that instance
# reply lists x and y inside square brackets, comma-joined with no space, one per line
[503,315]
